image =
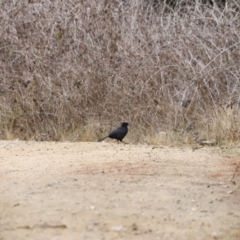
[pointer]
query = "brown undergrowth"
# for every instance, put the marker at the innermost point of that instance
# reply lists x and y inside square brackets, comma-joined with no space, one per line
[74,70]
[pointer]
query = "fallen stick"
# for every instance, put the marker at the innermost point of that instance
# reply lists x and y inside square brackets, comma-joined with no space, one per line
[235,173]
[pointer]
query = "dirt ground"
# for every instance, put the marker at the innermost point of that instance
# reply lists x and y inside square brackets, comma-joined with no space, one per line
[112,191]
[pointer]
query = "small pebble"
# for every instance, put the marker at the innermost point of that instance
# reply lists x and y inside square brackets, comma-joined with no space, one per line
[117,228]
[134,227]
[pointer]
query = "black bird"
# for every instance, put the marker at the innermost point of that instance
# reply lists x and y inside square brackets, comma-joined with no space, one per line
[118,134]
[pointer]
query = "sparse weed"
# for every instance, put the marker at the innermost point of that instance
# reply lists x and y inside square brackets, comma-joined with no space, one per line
[72,71]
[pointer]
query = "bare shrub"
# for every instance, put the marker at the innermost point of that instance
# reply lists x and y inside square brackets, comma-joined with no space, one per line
[74,69]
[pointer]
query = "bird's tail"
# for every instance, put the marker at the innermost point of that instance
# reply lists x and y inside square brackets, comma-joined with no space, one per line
[100,140]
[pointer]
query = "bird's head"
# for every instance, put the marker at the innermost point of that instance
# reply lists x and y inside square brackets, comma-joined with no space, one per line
[124,124]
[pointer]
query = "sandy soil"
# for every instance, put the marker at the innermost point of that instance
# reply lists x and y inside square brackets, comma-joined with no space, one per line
[112,191]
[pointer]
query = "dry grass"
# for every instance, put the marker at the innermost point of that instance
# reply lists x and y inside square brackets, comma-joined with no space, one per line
[73,70]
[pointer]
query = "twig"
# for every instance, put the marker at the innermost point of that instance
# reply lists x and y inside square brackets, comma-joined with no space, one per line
[231,180]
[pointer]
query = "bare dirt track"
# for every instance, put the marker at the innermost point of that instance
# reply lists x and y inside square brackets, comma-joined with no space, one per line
[111,191]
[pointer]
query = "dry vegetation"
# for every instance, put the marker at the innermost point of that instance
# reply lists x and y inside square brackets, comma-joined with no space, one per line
[73,70]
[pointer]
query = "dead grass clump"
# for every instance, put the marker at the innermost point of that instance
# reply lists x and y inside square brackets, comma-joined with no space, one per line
[72,70]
